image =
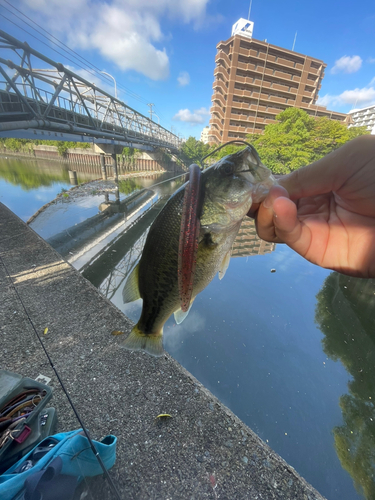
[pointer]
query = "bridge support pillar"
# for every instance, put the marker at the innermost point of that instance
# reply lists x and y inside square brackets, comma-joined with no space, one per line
[102,165]
[114,167]
[73,177]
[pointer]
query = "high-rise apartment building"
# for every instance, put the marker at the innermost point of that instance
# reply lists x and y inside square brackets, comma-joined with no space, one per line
[204,135]
[255,81]
[364,117]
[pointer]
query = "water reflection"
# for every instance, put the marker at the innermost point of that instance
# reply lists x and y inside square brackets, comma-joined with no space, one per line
[345,314]
[128,186]
[26,185]
[28,176]
[247,242]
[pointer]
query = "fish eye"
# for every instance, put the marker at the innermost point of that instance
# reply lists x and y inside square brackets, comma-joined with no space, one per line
[228,169]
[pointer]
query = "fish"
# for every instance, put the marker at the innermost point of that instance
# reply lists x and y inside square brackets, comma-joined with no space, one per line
[227,190]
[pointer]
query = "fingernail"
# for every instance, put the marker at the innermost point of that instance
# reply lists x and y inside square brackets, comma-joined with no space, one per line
[267,202]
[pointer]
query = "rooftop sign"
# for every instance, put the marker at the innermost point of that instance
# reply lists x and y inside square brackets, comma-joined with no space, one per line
[243,27]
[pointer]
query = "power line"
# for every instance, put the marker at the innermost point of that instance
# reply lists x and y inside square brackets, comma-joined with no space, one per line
[62,43]
[44,43]
[95,68]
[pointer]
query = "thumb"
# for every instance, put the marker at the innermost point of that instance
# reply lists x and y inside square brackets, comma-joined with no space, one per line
[288,228]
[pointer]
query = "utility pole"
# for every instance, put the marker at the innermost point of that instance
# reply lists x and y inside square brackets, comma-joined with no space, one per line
[150,104]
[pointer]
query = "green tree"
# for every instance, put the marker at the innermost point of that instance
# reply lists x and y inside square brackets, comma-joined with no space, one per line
[282,147]
[192,151]
[298,139]
[25,145]
[328,135]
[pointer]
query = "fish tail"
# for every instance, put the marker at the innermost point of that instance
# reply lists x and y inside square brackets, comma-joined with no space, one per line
[139,341]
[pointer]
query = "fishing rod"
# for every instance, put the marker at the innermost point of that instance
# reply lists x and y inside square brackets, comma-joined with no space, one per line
[92,446]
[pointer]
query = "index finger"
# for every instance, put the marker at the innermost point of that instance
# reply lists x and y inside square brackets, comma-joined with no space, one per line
[332,171]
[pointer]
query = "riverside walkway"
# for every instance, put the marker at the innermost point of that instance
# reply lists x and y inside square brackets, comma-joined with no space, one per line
[203,452]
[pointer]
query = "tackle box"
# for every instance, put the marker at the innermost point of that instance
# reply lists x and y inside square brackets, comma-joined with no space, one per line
[38,425]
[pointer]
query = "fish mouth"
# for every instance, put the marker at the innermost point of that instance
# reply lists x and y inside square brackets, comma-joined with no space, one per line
[257,175]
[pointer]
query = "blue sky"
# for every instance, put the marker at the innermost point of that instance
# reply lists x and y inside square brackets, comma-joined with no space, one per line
[164,50]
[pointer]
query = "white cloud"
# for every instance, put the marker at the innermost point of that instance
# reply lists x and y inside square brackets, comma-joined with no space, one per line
[198,116]
[371,60]
[126,32]
[357,97]
[325,100]
[347,64]
[183,78]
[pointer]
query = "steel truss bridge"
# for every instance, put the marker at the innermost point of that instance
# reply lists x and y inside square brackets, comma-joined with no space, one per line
[55,103]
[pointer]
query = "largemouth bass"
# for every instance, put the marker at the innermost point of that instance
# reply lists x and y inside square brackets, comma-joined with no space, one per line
[228,189]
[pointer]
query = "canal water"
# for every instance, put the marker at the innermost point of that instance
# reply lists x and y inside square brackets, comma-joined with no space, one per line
[287,346]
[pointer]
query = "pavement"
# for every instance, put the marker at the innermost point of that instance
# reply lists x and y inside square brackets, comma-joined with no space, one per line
[202,452]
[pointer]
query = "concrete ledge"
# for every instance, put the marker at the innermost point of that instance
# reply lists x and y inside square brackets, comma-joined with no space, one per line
[204,451]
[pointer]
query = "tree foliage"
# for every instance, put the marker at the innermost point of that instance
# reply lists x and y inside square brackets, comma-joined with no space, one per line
[26,145]
[192,151]
[298,139]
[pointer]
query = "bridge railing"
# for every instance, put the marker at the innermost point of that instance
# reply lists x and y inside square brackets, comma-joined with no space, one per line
[62,97]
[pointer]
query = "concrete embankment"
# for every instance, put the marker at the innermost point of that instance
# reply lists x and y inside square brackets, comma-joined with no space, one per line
[203,451]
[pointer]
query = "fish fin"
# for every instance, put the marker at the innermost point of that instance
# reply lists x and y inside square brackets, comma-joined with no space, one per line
[224,265]
[131,288]
[139,341]
[180,315]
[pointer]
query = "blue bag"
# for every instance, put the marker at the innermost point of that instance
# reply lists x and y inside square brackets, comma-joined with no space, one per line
[77,457]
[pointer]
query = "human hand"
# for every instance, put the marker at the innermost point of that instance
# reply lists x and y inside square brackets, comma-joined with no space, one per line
[326,211]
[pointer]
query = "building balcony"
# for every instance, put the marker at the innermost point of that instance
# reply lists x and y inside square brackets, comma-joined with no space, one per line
[242,93]
[232,128]
[314,71]
[280,100]
[240,105]
[218,110]
[217,122]
[281,61]
[287,78]
[244,118]
[282,88]
[250,67]
[274,111]
[252,53]
[218,84]
[222,56]
[219,99]
[281,74]
[220,70]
